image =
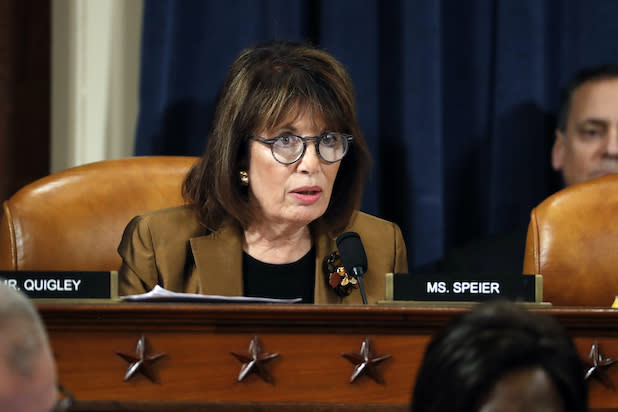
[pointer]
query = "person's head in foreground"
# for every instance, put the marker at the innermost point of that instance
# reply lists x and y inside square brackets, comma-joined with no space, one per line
[27,368]
[285,147]
[501,358]
[586,144]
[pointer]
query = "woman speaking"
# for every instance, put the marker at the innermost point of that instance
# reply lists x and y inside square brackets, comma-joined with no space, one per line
[281,177]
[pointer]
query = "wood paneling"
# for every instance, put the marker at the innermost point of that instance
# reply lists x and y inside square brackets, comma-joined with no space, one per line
[199,371]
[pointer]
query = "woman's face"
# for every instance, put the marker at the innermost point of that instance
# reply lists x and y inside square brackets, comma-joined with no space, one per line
[294,194]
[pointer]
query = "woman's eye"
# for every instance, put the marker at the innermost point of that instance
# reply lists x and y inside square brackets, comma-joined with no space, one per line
[329,140]
[284,140]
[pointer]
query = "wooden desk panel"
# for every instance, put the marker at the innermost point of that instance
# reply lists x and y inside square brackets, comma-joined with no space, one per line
[309,374]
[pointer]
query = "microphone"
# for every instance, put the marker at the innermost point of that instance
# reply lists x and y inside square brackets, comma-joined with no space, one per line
[353,257]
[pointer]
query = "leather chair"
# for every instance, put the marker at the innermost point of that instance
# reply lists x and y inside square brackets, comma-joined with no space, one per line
[573,242]
[74,219]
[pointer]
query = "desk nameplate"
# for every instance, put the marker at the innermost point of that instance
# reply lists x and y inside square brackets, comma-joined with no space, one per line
[462,288]
[64,286]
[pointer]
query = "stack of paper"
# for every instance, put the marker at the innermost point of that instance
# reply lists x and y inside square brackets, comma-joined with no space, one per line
[159,294]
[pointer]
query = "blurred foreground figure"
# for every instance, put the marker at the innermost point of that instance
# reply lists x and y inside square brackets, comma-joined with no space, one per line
[501,358]
[27,368]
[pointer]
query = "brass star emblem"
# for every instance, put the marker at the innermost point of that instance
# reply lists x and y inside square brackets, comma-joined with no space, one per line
[366,362]
[141,362]
[254,361]
[599,366]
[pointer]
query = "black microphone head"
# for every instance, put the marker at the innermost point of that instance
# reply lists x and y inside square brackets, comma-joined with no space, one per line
[352,252]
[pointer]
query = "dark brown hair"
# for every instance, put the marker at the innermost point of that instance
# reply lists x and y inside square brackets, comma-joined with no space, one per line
[266,84]
[588,74]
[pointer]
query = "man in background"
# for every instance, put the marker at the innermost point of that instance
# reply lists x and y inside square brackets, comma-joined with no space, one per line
[27,368]
[586,144]
[585,147]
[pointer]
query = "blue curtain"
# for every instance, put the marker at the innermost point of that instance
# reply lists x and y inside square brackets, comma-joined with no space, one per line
[457,98]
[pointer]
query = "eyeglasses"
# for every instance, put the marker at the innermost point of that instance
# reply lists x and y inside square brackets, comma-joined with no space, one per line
[289,148]
[66,400]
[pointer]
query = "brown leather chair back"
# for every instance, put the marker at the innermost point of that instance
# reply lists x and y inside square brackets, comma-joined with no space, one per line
[74,219]
[573,242]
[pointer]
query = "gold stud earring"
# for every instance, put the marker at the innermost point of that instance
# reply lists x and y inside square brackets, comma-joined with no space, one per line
[244,178]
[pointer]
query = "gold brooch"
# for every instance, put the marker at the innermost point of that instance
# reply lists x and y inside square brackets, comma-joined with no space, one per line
[337,276]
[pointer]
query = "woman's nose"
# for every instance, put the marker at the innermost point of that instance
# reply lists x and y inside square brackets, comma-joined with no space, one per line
[310,160]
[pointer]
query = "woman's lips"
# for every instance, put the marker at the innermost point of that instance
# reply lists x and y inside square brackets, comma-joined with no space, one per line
[307,195]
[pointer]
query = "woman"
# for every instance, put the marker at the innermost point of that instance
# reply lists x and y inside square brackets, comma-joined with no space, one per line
[281,177]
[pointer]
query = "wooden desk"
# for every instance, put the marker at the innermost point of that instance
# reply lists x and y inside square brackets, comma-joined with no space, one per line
[310,373]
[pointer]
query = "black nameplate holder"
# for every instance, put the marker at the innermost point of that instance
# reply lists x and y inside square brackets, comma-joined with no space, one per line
[79,286]
[441,288]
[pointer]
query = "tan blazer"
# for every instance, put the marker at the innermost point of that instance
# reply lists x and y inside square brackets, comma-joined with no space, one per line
[169,247]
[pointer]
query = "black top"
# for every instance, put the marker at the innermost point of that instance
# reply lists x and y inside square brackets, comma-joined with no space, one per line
[284,281]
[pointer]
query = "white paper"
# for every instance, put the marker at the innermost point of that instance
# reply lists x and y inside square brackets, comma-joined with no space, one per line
[159,294]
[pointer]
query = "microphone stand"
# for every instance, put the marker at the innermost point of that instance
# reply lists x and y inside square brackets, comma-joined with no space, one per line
[358,274]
